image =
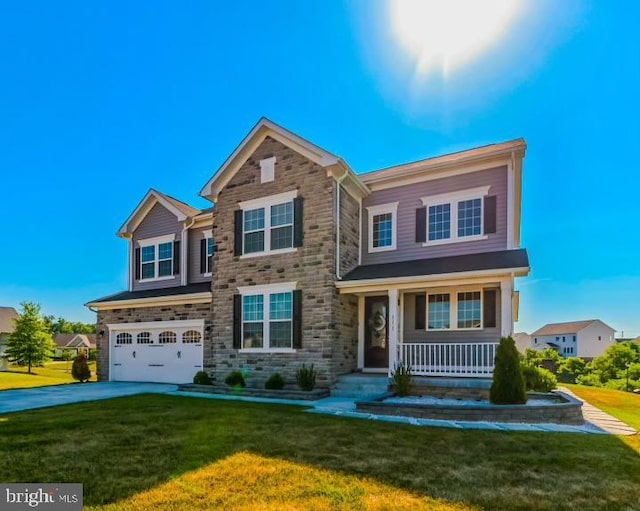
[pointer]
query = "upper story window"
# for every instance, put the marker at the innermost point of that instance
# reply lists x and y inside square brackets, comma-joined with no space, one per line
[206,253]
[460,216]
[383,227]
[157,258]
[269,225]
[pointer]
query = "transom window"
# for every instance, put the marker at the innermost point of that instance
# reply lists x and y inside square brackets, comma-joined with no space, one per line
[191,337]
[144,338]
[156,258]
[382,227]
[267,321]
[456,311]
[167,337]
[456,216]
[124,338]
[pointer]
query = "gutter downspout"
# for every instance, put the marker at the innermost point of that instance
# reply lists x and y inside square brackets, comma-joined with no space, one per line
[339,184]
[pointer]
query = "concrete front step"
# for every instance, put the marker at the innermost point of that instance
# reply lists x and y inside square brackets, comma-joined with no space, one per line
[360,386]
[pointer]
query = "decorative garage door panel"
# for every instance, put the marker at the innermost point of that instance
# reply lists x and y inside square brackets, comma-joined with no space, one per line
[167,352]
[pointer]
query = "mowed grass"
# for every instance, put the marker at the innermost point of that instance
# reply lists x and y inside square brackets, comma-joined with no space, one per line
[54,373]
[167,452]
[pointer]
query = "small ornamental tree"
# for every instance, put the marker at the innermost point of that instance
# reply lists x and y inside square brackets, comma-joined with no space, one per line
[508,383]
[80,368]
[30,344]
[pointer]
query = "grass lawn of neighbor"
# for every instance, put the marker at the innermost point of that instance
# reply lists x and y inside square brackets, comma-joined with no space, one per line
[54,373]
[153,452]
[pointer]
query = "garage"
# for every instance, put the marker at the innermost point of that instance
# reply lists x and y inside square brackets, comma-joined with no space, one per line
[163,352]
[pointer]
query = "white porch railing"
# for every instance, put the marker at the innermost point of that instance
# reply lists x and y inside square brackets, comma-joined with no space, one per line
[470,359]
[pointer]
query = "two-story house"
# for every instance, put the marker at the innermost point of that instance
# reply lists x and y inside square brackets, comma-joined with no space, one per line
[301,260]
[585,339]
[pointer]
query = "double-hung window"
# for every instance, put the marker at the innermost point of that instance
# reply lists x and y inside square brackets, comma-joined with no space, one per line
[455,216]
[454,311]
[267,317]
[156,258]
[206,253]
[267,224]
[382,227]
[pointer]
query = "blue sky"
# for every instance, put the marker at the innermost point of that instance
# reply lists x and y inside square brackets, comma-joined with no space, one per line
[101,100]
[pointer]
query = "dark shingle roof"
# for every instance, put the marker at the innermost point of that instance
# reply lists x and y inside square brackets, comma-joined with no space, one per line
[504,259]
[200,287]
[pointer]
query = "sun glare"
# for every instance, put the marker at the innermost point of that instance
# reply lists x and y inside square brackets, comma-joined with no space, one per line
[447,33]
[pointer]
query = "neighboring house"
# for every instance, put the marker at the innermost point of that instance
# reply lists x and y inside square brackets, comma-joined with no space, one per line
[585,339]
[523,341]
[7,326]
[301,260]
[74,343]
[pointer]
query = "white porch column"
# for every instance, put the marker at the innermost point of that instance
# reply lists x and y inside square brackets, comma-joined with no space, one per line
[394,314]
[506,299]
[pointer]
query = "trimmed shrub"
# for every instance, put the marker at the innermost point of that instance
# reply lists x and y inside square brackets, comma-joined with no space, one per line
[508,384]
[621,384]
[235,379]
[401,377]
[306,377]
[275,382]
[80,369]
[589,379]
[202,378]
[538,379]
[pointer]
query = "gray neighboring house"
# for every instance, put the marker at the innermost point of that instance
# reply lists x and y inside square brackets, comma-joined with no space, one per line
[7,317]
[303,260]
[585,339]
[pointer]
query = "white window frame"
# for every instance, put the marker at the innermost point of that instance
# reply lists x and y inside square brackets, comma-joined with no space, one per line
[383,209]
[156,242]
[453,309]
[266,203]
[208,236]
[453,199]
[266,291]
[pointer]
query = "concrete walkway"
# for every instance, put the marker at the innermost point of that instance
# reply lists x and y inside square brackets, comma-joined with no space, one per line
[600,419]
[42,397]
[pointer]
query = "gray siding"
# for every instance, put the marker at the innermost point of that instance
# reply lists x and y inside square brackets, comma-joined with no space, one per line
[410,333]
[409,199]
[158,222]
[195,236]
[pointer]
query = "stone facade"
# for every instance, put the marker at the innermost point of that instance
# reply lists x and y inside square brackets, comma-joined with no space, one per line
[329,320]
[142,315]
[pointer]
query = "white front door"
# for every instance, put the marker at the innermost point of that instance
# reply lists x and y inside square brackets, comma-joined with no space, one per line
[167,352]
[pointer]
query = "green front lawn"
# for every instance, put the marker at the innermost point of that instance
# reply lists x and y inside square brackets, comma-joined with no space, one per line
[154,452]
[54,373]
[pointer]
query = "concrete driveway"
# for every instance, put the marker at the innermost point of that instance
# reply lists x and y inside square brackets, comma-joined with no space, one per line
[42,397]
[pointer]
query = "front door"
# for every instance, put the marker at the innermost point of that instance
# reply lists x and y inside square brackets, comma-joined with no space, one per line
[376,332]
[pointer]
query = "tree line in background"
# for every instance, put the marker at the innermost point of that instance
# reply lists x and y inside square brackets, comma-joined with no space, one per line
[618,368]
[31,343]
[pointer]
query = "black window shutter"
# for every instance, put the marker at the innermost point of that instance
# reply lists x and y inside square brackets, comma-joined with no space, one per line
[137,263]
[421,312]
[297,222]
[237,321]
[203,255]
[237,241]
[176,258]
[297,319]
[490,214]
[489,308]
[421,225]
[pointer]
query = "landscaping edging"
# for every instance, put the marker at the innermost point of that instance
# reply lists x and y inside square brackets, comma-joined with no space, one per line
[302,395]
[567,411]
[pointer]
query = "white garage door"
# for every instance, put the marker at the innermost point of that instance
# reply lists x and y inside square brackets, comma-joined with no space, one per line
[167,352]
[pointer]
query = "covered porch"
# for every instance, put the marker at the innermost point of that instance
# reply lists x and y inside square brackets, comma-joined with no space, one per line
[439,325]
